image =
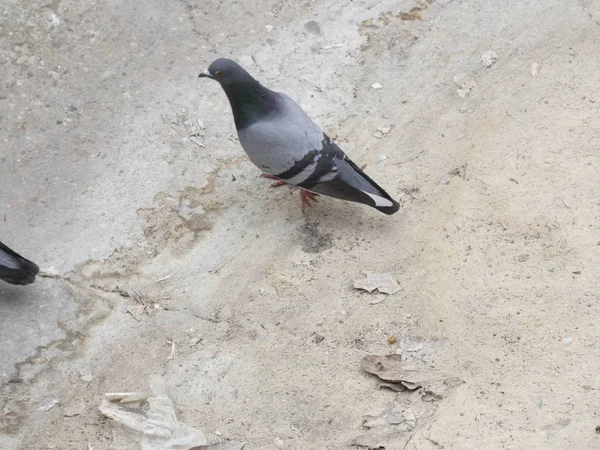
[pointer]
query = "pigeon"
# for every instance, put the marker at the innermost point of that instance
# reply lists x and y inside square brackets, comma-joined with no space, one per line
[288,146]
[15,269]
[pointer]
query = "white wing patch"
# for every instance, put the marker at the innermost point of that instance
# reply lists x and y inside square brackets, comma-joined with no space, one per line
[379,201]
[328,176]
[305,174]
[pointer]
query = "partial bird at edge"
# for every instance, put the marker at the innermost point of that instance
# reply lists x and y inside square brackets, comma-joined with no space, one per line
[15,269]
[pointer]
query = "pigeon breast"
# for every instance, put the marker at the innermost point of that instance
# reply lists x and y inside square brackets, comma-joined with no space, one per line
[283,138]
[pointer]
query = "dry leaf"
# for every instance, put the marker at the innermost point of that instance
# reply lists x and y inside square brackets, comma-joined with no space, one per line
[396,387]
[392,427]
[387,441]
[390,369]
[383,282]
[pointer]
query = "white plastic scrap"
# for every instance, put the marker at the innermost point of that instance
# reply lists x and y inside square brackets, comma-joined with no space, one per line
[158,428]
[382,131]
[465,83]
[489,58]
[49,406]
[534,69]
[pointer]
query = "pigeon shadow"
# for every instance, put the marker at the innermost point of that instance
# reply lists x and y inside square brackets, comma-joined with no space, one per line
[351,217]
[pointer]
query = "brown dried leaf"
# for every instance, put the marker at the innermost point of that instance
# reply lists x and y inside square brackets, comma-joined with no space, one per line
[387,441]
[383,282]
[396,387]
[390,369]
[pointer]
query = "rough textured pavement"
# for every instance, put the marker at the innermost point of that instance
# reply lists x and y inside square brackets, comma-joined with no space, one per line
[120,173]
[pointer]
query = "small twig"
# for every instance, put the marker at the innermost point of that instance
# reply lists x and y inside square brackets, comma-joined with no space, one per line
[167,277]
[327,47]
[409,159]
[408,442]
[565,204]
[199,144]
[512,117]
[136,292]
[43,274]
[172,354]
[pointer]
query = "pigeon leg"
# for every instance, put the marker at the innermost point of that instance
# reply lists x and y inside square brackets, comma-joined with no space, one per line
[306,197]
[272,177]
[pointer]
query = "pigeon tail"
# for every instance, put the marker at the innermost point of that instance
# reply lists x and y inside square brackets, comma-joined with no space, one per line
[383,201]
[15,269]
[353,185]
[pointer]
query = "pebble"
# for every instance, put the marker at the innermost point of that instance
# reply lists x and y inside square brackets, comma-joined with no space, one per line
[313,27]
[53,20]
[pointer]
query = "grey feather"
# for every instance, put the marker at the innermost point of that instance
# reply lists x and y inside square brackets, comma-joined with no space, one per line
[277,142]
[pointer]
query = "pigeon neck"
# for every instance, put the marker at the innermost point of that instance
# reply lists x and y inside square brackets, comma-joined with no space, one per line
[249,102]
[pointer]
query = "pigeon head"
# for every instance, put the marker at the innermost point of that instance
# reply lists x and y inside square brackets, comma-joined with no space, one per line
[227,72]
[249,100]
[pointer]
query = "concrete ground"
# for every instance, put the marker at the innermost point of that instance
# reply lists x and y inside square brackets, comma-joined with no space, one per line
[120,172]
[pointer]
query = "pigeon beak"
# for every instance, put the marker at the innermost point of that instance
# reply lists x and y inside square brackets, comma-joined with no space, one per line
[205,74]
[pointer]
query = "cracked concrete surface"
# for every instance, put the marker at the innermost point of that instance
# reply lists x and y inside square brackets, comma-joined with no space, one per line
[120,171]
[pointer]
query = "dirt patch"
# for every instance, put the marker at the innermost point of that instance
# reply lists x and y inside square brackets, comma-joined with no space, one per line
[314,240]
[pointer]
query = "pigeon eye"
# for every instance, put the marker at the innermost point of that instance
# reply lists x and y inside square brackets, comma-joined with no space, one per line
[219,73]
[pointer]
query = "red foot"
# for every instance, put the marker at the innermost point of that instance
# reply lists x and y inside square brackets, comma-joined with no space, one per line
[306,197]
[272,177]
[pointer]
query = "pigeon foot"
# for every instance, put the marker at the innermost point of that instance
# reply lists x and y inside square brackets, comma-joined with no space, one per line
[306,197]
[272,177]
